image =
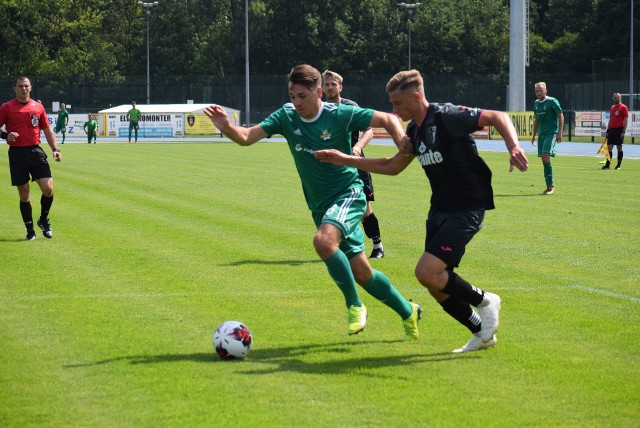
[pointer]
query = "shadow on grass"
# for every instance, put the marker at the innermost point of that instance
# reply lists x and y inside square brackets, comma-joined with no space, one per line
[272,262]
[524,195]
[291,359]
[13,240]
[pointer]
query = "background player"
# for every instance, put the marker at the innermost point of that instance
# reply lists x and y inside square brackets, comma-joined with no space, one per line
[332,86]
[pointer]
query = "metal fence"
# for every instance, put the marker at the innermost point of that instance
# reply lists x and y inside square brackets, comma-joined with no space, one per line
[583,92]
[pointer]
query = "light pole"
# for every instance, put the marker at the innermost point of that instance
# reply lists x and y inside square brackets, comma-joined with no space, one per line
[246,63]
[410,8]
[148,6]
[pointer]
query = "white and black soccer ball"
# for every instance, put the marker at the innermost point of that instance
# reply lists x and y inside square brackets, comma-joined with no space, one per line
[232,340]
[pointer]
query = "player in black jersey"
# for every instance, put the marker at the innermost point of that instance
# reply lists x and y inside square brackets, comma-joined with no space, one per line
[332,87]
[439,136]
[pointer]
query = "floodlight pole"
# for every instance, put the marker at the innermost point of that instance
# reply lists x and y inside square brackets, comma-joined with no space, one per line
[246,62]
[631,62]
[148,6]
[410,8]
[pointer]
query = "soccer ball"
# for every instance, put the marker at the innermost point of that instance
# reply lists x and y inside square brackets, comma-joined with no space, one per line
[232,340]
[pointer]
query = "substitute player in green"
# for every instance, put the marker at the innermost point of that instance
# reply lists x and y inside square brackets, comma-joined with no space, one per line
[334,194]
[548,123]
[133,116]
[91,129]
[62,121]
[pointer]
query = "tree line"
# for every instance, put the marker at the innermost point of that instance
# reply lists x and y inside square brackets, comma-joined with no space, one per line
[104,40]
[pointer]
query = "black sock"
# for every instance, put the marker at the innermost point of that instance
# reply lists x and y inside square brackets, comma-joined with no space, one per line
[45,203]
[371,228]
[462,290]
[620,155]
[25,210]
[463,313]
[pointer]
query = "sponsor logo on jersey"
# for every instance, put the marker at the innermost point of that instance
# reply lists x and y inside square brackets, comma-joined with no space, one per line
[300,148]
[326,135]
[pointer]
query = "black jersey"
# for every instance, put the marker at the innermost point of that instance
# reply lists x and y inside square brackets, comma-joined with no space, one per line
[460,179]
[355,135]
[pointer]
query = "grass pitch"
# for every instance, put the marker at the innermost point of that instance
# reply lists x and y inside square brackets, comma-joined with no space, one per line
[110,322]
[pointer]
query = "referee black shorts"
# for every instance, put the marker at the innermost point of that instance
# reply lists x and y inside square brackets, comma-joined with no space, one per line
[614,136]
[25,162]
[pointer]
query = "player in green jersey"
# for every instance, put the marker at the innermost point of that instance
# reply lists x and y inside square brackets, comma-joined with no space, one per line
[548,123]
[91,129]
[62,121]
[334,194]
[133,116]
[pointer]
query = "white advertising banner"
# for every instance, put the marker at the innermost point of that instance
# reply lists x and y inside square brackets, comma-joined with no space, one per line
[150,125]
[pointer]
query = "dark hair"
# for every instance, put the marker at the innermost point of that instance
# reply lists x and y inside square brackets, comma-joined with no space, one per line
[21,77]
[406,80]
[306,76]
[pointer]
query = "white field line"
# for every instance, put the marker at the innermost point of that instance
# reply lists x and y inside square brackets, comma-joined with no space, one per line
[607,293]
[575,287]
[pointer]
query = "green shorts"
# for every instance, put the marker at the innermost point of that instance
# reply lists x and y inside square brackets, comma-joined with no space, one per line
[345,213]
[547,145]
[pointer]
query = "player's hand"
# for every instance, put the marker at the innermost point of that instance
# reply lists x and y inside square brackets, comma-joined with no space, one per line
[331,156]
[12,137]
[559,138]
[518,159]
[57,156]
[533,142]
[405,147]
[218,116]
[357,150]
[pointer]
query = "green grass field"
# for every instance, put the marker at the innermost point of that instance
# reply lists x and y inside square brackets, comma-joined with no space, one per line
[109,323]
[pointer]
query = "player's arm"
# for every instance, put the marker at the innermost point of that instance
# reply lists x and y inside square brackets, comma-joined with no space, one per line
[536,123]
[390,123]
[560,126]
[238,134]
[387,166]
[367,135]
[51,140]
[504,126]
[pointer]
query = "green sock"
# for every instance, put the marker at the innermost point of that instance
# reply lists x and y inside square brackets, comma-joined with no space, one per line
[380,287]
[340,271]
[548,174]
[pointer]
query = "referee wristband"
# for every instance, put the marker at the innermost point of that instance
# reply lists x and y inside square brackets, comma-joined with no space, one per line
[56,150]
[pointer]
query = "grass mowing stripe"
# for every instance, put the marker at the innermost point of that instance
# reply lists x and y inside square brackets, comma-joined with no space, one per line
[110,322]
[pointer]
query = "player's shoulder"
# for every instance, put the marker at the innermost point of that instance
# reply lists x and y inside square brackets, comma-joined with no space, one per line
[348,102]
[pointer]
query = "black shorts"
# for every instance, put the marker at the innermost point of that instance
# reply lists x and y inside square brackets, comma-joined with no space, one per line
[449,233]
[614,136]
[365,176]
[27,161]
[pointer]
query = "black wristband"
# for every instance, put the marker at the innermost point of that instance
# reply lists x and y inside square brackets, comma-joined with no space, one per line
[56,150]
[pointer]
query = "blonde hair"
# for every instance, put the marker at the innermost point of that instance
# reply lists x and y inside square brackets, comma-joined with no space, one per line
[544,85]
[406,80]
[328,73]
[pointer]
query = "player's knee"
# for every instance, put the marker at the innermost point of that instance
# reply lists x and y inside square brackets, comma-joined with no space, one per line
[324,245]
[428,277]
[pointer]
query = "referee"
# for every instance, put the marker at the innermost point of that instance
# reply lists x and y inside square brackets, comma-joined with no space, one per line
[24,118]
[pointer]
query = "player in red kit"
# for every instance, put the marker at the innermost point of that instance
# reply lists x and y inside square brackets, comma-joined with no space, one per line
[617,127]
[24,118]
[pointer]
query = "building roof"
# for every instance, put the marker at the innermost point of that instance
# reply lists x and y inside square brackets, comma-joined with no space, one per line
[165,108]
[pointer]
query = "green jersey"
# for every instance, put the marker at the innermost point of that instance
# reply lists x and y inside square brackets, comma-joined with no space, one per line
[63,118]
[91,126]
[134,114]
[547,113]
[330,129]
